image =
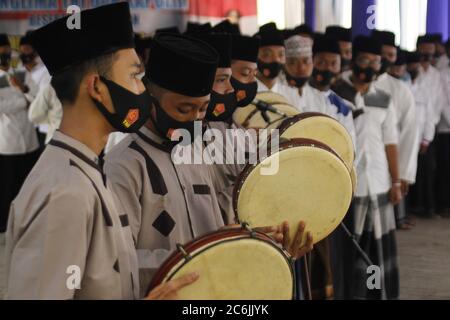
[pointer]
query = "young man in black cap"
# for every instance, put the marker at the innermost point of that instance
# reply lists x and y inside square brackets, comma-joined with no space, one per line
[18,140]
[317,95]
[443,60]
[421,193]
[430,78]
[377,170]
[344,36]
[66,238]
[167,202]
[405,110]
[271,59]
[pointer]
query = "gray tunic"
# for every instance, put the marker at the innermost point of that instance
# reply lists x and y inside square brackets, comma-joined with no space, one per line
[65,225]
[167,203]
[225,174]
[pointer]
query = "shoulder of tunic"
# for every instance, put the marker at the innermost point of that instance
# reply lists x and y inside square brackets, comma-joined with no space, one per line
[378,98]
[343,89]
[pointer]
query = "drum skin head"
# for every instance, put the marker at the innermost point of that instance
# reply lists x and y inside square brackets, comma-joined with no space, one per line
[271,97]
[321,128]
[250,117]
[237,269]
[312,185]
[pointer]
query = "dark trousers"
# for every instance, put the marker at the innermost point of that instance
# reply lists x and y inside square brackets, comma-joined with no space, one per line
[421,198]
[442,185]
[13,171]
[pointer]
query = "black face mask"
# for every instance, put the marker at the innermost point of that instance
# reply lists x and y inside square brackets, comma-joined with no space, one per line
[297,82]
[167,126]
[5,58]
[269,70]
[365,75]
[345,64]
[131,110]
[245,92]
[323,78]
[385,65]
[27,58]
[414,73]
[221,107]
[426,57]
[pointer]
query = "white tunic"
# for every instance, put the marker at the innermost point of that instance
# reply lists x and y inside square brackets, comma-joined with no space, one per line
[405,110]
[433,84]
[314,100]
[424,111]
[376,127]
[17,134]
[46,110]
[444,123]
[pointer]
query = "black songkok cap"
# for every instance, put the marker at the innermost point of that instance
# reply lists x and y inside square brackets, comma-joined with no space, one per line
[221,42]
[226,27]
[324,43]
[401,57]
[412,57]
[270,35]
[182,64]
[427,38]
[197,28]
[104,30]
[366,44]
[386,38]
[437,37]
[339,33]
[4,41]
[168,30]
[245,48]
[304,29]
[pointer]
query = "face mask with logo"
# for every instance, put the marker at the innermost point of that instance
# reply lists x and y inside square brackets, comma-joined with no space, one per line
[131,110]
[5,58]
[323,78]
[167,126]
[385,65]
[297,82]
[365,75]
[27,58]
[245,92]
[221,107]
[269,70]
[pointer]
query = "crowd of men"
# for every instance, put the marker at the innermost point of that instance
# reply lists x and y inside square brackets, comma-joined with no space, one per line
[86,120]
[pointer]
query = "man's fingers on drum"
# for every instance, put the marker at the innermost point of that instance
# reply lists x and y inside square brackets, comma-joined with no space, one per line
[169,290]
[299,236]
[286,236]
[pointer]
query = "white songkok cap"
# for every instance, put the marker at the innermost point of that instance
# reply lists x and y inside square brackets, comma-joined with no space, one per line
[298,46]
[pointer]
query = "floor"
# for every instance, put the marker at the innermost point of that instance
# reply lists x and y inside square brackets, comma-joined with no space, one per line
[424,259]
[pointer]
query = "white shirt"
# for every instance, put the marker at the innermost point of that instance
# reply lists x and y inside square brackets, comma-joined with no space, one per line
[405,109]
[443,62]
[375,128]
[17,134]
[444,123]
[279,87]
[424,110]
[37,79]
[314,100]
[46,109]
[433,85]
